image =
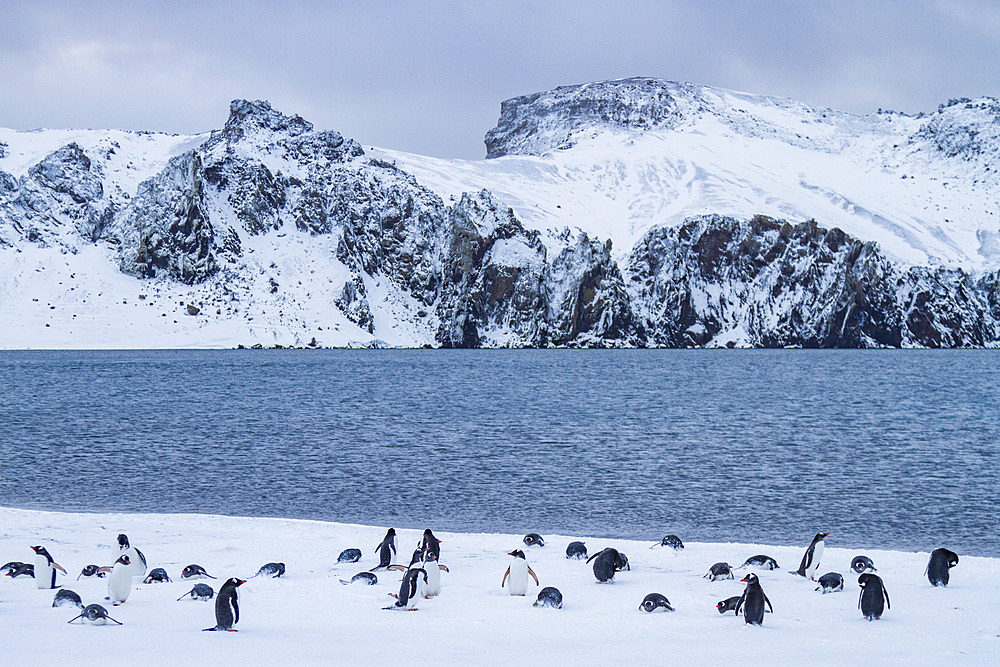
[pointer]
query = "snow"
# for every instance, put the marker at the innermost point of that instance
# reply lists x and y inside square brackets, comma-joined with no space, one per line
[308,617]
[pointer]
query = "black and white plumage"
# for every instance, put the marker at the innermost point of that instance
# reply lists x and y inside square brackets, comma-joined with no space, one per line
[752,601]
[608,562]
[367,578]
[386,549]
[22,570]
[874,599]
[410,589]
[862,564]
[195,572]
[120,581]
[227,606]
[671,541]
[761,562]
[11,566]
[812,556]
[516,576]
[157,576]
[533,540]
[655,602]
[939,566]
[66,597]
[137,561]
[45,568]
[576,550]
[719,571]
[831,582]
[729,604]
[201,592]
[273,570]
[94,614]
[92,571]
[550,596]
[349,556]
[431,544]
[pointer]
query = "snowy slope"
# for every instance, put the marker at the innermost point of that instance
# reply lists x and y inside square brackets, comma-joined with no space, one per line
[308,617]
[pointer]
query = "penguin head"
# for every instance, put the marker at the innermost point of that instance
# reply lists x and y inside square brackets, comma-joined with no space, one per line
[40,550]
[820,537]
[122,541]
[391,532]
[233,581]
[516,553]
[89,571]
[867,578]
[429,556]
[750,578]
[123,559]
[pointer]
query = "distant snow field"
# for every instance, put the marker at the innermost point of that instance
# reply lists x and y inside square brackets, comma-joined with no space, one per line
[309,617]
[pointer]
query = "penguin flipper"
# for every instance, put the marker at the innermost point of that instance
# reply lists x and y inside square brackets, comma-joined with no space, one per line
[215,629]
[739,603]
[533,576]
[770,606]
[443,567]
[505,575]
[60,568]
[886,594]
[80,615]
[395,568]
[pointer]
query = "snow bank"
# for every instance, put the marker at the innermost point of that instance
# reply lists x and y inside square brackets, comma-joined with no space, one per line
[308,617]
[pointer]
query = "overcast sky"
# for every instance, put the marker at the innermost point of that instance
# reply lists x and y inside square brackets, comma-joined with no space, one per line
[428,77]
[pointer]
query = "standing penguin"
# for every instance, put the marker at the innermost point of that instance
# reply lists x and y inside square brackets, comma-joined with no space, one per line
[942,560]
[137,560]
[431,544]
[227,607]
[433,569]
[874,598]
[386,549]
[518,572]
[810,559]
[752,601]
[120,580]
[45,568]
[411,589]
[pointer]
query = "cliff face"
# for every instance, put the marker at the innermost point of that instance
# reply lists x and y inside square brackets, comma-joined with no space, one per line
[299,237]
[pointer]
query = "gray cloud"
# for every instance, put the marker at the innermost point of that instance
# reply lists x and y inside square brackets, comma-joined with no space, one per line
[429,77]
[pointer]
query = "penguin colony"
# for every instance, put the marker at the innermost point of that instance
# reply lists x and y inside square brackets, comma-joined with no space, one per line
[421,579]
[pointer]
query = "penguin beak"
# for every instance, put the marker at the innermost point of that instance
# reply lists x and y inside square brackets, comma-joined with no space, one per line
[746,578]
[240,582]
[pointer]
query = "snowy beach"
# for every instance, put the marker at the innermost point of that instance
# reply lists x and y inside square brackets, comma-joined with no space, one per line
[308,616]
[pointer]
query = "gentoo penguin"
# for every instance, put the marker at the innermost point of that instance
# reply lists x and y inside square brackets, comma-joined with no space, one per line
[862,564]
[761,562]
[273,570]
[201,592]
[411,589]
[811,558]
[607,562]
[349,556]
[433,569]
[753,601]
[94,614]
[45,568]
[195,572]
[366,578]
[120,580]
[518,572]
[729,604]
[22,570]
[227,607]
[549,597]
[157,576]
[137,560]
[831,582]
[386,549]
[654,602]
[66,597]
[11,566]
[719,571]
[431,544]
[92,571]
[533,540]
[671,541]
[576,550]
[942,560]
[874,598]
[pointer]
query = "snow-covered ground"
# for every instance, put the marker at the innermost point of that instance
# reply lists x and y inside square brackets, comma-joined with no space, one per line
[308,617]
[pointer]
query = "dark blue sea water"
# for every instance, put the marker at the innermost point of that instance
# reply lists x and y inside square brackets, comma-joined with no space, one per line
[886,449]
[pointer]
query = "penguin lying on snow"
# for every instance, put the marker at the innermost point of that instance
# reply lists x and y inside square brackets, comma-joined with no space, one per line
[157,576]
[7,568]
[810,559]
[201,592]
[366,578]
[942,560]
[22,570]
[349,556]
[227,608]
[752,601]
[549,597]
[66,597]
[273,570]
[862,564]
[534,540]
[94,614]
[729,604]
[761,562]
[671,541]
[576,550]
[93,571]
[655,601]
[831,582]
[719,571]
[195,572]
[607,563]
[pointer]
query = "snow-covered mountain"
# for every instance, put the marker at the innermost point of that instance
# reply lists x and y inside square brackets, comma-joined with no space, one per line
[636,212]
